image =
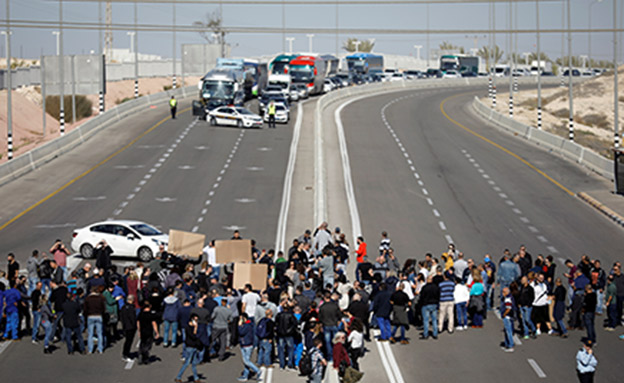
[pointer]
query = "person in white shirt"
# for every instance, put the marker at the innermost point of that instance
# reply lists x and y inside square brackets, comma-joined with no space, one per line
[356,342]
[540,305]
[461,295]
[211,258]
[250,301]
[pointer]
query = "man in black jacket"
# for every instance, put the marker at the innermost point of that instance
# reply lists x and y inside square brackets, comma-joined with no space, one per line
[382,309]
[71,321]
[58,298]
[525,303]
[329,316]
[286,328]
[128,318]
[430,297]
[359,309]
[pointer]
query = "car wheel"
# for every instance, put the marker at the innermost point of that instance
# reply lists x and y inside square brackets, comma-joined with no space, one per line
[145,254]
[239,124]
[86,250]
[213,121]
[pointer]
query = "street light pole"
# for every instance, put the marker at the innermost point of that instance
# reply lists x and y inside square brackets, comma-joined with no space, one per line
[290,44]
[174,80]
[57,34]
[9,86]
[136,53]
[571,116]
[616,130]
[357,45]
[310,37]
[539,69]
[62,71]
[131,34]
[418,48]
[589,35]
[427,36]
[509,59]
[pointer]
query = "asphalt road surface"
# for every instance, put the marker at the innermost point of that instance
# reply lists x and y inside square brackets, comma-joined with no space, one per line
[417,174]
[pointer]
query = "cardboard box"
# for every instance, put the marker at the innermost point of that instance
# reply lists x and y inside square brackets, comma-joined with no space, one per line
[254,273]
[236,250]
[185,243]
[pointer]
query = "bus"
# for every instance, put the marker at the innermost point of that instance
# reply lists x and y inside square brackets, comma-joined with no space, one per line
[459,62]
[312,71]
[256,75]
[281,64]
[363,63]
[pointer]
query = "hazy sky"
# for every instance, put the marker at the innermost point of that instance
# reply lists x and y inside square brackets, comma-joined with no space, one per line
[33,42]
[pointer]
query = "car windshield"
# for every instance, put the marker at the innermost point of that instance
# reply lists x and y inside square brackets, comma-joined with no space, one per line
[145,229]
[280,108]
[218,89]
[244,111]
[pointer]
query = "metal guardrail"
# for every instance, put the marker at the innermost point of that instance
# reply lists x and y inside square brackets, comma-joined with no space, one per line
[566,148]
[39,156]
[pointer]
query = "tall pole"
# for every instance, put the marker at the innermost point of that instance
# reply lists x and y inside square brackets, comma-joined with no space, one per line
[516,46]
[136,54]
[9,85]
[563,12]
[43,93]
[99,27]
[539,69]
[310,37]
[57,34]
[61,69]
[589,35]
[571,116]
[337,24]
[616,130]
[283,26]
[73,82]
[357,45]
[427,36]
[509,59]
[174,47]
[495,59]
[290,44]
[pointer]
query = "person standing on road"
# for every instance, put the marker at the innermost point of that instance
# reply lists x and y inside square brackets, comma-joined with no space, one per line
[560,307]
[71,322]
[128,320]
[589,312]
[12,269]
[193,346]
[60,253]
[32,267]
[618,278]
[429,298]
[173,105]
[12,299]
[148,331]
[507,313]
[318,362]
[525,302]
[586,362]
[94,309]
[246,339]
[102,254]
[610,303]
[271,111]
[47,321]
[35,299]
[447,288]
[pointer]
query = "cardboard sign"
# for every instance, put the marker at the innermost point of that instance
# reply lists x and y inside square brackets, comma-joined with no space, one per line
[254,273]
[236,250]
[185,243]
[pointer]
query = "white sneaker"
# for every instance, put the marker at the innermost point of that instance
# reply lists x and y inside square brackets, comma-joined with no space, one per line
[538,332]
[551,331]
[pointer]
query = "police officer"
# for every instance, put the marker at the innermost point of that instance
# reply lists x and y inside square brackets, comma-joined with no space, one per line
[173,104]
[271,111]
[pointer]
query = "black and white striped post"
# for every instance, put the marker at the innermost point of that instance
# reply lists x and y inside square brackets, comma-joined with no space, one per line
[10,145]
[136,88]
[490,87]
[175,83]
[101,102]
[494,95]
[539,117]
[571,129]
[511,105]
[515,84]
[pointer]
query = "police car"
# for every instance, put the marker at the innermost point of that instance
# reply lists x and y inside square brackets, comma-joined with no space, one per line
[234,116]
[282,113]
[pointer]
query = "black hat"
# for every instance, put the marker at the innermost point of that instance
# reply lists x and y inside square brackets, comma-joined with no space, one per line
[587,342]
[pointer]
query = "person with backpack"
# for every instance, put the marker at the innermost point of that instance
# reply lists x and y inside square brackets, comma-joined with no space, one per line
[508,308]
[316,365]
[265,331]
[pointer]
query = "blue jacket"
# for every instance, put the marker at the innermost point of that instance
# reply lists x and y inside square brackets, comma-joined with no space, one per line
[172,309]
[508,272]
[11,297]
[245,334]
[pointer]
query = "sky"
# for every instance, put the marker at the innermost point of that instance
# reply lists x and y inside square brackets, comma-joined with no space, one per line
[31,43]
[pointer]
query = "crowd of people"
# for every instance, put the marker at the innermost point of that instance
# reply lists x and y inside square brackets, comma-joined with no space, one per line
[310,315]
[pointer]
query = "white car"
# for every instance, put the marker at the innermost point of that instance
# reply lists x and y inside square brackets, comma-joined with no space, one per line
[328,85]
[303,91]
[234,116]
[396,76]
[294,94]
[282,114]
[125,238]
[451,74]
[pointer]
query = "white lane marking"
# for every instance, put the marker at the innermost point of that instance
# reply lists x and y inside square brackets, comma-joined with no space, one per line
[510,203]
[384,358]
[207,202]
[130,196]
[125,167]
[517,340]
[449,239]
[421,183]
[216,185]
[430,201]
[533,229]
[264,149]
[245,200]
[166,199]
[150,146]
[436,212]
[485,176]
[425,192]
[200,219]
[186,167]
[123,204]
[136,189]
[492,182]
[269,378]
[129,365]
[84,199]
[524,219]
[195,228]
[211,193]
[552,249]
[496,188]
[255,168]
[516,210]
[201,147]
[4,345]
[234,227]
[416,175]
[503,195]
[117,212]
[222,171]
[55,226]
[442,225]
[204,211]
[540,373]
[147,176]
[542,238]
[219,179]
[393,363]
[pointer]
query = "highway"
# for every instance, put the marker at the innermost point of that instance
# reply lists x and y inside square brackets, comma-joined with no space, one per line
[423,168]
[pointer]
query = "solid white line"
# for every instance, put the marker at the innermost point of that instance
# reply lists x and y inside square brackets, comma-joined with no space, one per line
[280,238]
[4,345]
[269,377]
[384,358]
[540,373]
[393,363]
[263,371]
[320,209]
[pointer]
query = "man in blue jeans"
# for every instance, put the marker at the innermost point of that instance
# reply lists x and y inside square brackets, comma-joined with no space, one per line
[507,313]
[12,298]
[246,339]
[525,303]
[329,316]
[429,298]
[382,309]
[286,329]
[94,308]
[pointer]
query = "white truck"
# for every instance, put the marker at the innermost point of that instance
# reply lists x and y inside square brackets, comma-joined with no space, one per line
[284,81]
[545,66]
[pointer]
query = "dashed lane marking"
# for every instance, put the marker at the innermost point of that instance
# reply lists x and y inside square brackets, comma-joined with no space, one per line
[540,373]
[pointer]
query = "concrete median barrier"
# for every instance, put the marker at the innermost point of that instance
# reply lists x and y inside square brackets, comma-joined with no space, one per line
[39,156]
